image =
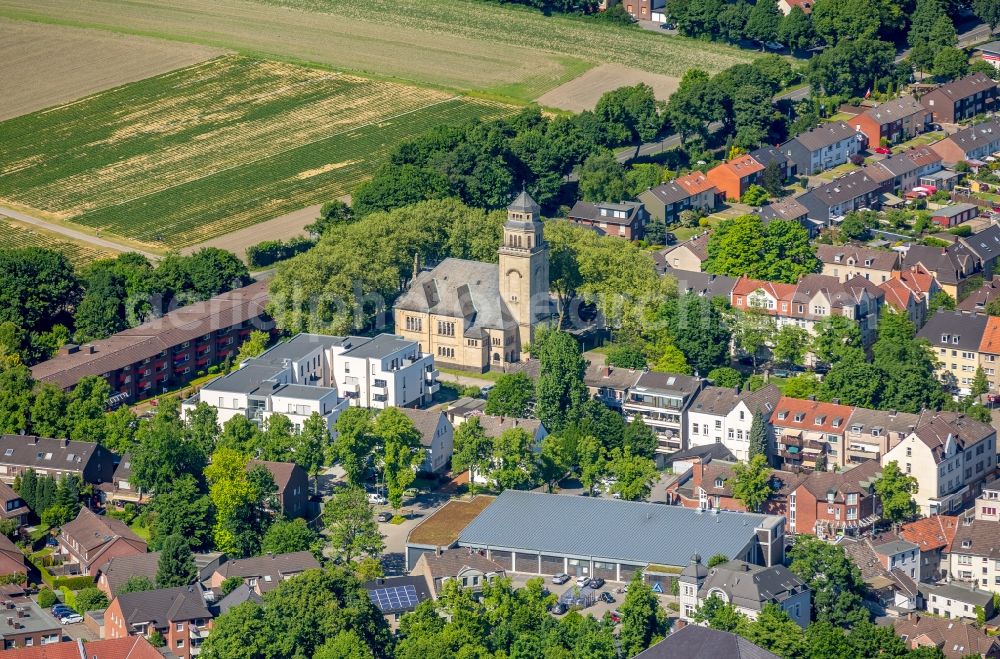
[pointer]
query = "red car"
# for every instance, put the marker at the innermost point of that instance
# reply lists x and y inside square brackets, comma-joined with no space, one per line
[884,150]
[615,617]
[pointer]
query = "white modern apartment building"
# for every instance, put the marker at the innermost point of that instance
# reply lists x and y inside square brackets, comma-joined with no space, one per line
[298,377]
[721,415]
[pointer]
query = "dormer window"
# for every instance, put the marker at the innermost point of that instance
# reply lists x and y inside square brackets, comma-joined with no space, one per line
[966,544]
[718,482]
[944,338]
[954,339]
[819,420]
[782,415]
[799,416]
[837,258]
[868,263]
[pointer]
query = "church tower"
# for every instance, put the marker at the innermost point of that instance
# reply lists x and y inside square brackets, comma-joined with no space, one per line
[524,267]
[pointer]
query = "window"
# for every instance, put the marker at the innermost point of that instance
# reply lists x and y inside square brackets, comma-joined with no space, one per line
[694,428]
[446,328]
[909,451]
[414,324]
[179,627]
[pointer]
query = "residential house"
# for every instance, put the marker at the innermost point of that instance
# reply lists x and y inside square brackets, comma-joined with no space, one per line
[809,433]
[985,245]
[850,260]
[945,179]
[955,600]
[970,144]
[472,569]
[988,501]
[766,155]
[954,639]
[791,209]
[179,614]
[853,191]
[708,485]
[953,215]
[661,400]
[975,556]
[110,648]
[989,352]
[437,436]
[955,338]
[893,121]
[812,299]
[475,315]
[872,433]
[239,595]
[262,573]
[903,171]
[786,6]
[978,299]
[748,588]
[933,535]
[990,53]
[610,384]
[293,487]
[12,560]
[682,462]
[951,455]
[626,219]
[91,540]
[961,99]
[28,625]
[165,353]
[644,10]
[823,147]
[697,642]
[722,415]
[114,574]
[122,490]
[12,506]
[689,192]
[953,267]
[395,596]
[886,564]
[903,300]
[733,177]
[54,457]
[701,283]
[827,503]
[688,255]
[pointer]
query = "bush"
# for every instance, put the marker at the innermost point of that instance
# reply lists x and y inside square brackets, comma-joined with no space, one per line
[46,598]
[230,584]
[963,230]
[72,583]
[90,599]
[271,251]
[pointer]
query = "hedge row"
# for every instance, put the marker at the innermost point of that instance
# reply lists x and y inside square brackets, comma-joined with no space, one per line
[268,252]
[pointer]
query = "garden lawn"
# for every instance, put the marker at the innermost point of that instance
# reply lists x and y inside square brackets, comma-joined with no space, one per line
[183,157]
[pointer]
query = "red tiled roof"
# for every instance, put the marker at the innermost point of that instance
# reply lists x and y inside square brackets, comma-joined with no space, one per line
[897,294]
[811,415]
[133,647]
[743,166]
[694,183]
[934,532]
[991,336]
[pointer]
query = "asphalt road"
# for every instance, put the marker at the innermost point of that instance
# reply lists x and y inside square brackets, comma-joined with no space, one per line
[71,233]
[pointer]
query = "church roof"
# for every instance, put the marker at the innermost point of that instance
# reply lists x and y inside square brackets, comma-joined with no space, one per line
[461,289]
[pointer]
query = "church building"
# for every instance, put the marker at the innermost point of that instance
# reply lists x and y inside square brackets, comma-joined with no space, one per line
[474,315]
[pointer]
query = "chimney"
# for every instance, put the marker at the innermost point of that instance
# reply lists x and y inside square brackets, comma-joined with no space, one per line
[437,550]
[812,397]
[64,443]
[697,471]
[836,401]
[32,439]
[606,371]
[10,621]
[69,349]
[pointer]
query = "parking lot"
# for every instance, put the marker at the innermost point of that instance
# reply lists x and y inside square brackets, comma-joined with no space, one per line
[599,608]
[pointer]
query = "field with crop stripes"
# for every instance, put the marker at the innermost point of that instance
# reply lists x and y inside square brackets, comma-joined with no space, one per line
[16,234]
[193,154]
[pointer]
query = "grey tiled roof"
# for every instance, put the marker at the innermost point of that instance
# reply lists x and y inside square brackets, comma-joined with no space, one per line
[752,586]
[968,86]
[164,606]
[964,330]
[119,569]
[895,110]
[381,346]
[459,288]
[668,382]
[959,592]
[47,453]
[824,135]
[985,244]
[425,421]
[702,283]
[697,642]
[589,211]
[607,528]
[598,375]
[840,255]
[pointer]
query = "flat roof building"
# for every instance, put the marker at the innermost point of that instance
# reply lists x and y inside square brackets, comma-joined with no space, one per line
[537,533]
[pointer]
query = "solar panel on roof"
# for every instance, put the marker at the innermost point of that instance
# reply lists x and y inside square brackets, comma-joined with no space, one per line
[394,598]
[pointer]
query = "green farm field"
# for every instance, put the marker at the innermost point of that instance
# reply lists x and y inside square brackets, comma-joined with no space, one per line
[468,45]
[183,157]
[16,234]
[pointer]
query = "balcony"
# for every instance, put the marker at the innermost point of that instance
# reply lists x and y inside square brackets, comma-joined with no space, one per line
[430,376]
[351,384]
[433,388]
[197,632]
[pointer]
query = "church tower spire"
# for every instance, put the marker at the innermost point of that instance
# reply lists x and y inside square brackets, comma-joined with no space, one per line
[524,267]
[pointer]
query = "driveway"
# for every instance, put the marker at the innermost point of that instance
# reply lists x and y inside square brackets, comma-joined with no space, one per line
[394,535]
[73,234]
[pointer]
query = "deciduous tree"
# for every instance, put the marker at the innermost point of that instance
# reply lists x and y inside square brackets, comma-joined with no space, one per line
[176,564]
[643,621]
[510,395]
[752,482]
[351,522]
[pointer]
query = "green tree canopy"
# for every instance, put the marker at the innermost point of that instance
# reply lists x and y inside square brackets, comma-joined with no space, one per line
[176,565]
[510,395]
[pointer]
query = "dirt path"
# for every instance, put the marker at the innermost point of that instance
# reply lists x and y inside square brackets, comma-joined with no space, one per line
[282,227]
[72,233]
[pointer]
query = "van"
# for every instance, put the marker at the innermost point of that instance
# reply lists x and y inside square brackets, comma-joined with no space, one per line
[377,499]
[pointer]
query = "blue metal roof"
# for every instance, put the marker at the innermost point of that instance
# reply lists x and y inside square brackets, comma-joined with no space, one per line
[628,531]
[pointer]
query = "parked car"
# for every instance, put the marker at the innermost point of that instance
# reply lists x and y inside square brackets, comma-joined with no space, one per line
[596,583]
[559,608]
[70,619]
[377,499]
[668,26]
[582,581]
[560,579]
[774,45]
[607,597]
[384,517]
[884,150]
[616,617]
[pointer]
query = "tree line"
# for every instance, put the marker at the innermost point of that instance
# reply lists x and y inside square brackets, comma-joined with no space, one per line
[45,303]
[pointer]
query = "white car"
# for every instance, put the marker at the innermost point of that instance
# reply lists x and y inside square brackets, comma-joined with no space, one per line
[71,619]
[377,499]
[582,581]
